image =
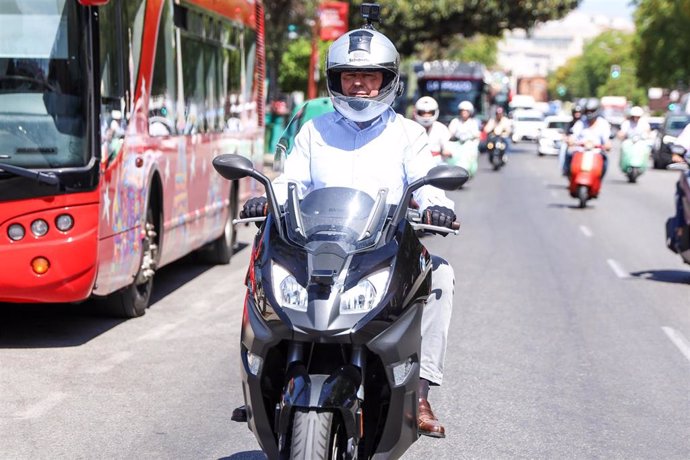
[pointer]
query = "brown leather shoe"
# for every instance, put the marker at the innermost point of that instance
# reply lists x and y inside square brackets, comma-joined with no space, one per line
[427,423]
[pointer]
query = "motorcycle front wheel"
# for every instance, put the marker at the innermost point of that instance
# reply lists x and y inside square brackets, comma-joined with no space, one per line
[582,195]
[319,436]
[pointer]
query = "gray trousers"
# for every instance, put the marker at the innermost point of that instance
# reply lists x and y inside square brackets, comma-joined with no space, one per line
[436,321]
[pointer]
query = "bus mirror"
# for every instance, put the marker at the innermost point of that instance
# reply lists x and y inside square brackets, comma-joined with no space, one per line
[233,167]
[94,2]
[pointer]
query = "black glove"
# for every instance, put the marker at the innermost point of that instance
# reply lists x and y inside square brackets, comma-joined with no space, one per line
[438,216]
[254,207]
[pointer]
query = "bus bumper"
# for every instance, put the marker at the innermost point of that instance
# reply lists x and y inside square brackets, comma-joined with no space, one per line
[71,257]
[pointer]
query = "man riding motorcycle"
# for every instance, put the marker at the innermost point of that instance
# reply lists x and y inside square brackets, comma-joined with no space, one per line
[591,128]
[464,128]
[499,125]
[576,112]
[426,113]
[365,145]
[635,126]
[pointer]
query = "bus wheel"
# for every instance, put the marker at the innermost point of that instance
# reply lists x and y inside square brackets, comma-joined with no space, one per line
[219,251]
[131,301]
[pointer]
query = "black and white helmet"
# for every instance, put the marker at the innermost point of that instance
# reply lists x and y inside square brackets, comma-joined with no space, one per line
[363,50]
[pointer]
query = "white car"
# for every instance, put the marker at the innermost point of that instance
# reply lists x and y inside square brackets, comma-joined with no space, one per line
[526,124]
[553,134]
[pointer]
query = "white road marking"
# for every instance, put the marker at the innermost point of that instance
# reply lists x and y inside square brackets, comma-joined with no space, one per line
[108,364]
[618,269]
[586,231]
[678,340]
[553,193]
[42,406]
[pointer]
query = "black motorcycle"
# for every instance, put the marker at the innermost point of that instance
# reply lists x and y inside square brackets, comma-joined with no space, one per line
[496,147]
[330,342]
[678,226]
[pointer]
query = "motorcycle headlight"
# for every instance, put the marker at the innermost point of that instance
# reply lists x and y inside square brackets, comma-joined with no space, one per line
[490,145]
[366,295]
[287,290]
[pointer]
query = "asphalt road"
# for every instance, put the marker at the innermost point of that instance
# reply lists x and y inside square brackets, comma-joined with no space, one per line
[570,339]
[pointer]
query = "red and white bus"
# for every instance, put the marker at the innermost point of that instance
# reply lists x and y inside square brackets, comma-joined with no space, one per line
[110,114]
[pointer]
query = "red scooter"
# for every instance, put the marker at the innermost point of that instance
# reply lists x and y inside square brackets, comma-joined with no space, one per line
[586,169]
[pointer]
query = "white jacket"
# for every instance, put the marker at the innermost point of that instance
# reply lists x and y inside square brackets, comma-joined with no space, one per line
[332,151]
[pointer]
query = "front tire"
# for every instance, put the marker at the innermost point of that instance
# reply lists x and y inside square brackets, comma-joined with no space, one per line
[220,251]
[582,195]
[131,301]
[318,436]
[633,173]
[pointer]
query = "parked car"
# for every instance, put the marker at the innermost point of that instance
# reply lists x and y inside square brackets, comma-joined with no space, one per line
[674,122]
[552,134]
[526,124]
[302,114]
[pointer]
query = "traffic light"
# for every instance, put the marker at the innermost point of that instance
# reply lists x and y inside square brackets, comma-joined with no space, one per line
[615,71]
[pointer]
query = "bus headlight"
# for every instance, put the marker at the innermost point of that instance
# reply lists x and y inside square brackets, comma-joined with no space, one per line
[287,290]
[16,232]
[366,295]
[39,227]
[64,222]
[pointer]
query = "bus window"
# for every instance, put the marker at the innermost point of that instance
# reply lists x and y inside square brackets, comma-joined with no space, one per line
[162,107]
[193,84]
[112,87]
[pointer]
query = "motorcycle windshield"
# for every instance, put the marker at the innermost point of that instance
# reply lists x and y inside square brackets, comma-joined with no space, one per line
[350,218]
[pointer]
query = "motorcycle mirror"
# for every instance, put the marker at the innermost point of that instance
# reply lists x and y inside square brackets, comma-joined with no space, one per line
[235,167]
[447,177]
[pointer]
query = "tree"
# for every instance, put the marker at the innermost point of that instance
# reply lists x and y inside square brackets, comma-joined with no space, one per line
[295,62]
[479,48]
[590,73]
[409,23]
[662,42]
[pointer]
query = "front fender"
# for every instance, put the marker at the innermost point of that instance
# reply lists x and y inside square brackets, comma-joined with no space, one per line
[337,392]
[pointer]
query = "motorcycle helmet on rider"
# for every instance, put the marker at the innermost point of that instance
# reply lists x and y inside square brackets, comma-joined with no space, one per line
[636,112]
[466,105]
[591,110]
[363,50]
[426,111]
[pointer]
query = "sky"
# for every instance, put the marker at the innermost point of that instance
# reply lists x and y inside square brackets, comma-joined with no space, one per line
[610,8]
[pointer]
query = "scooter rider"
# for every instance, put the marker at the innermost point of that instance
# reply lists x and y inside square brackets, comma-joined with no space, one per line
[590,128]
[426,114]
[499,125]
[365,145]
[464,128]
[577,114]
[635,125]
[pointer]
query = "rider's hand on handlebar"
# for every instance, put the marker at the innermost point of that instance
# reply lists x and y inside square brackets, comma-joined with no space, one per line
[440,216]
[254,207]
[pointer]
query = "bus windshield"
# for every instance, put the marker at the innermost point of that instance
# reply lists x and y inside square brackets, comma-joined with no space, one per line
[43,84]
[450,92]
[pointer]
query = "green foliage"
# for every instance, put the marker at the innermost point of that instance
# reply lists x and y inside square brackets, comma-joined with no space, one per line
[479,48]
[294,65]
[662,42]
[410,22]
[590,73]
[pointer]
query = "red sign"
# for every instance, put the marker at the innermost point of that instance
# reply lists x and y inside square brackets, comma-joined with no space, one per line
[333,19]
